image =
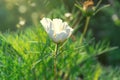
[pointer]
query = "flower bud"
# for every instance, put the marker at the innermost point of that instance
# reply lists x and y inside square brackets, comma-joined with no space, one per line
[88,7]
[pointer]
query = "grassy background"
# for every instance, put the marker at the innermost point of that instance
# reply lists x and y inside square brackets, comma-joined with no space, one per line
[28,55]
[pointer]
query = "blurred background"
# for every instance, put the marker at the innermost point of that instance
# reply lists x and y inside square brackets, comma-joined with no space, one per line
[105,25]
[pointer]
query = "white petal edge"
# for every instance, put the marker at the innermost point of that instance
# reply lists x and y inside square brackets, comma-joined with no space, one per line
[47,24]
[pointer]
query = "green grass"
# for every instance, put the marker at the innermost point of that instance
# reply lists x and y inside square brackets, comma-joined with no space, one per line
[28,55]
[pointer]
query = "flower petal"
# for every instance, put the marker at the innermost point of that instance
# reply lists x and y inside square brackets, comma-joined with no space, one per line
[60,37]
[69,31]
[57,24]
[47,24]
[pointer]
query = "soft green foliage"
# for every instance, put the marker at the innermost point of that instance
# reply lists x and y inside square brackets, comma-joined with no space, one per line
[29,56]
[112,74]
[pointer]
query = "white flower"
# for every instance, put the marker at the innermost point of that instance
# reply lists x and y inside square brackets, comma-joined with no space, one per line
[67,14]
[22,9]
[57,30]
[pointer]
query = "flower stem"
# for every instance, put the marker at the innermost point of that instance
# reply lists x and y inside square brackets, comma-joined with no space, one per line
[85,29]
[55,62]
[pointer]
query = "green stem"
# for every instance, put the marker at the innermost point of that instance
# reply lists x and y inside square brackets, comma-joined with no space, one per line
[85,29]
[55,62]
